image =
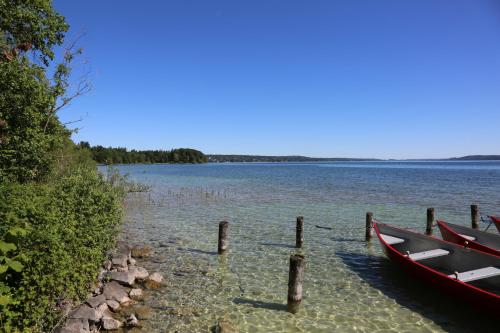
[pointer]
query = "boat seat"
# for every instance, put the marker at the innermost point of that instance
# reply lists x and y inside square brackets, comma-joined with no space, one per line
[471,238]
[476,274]
[391,240]
[428,254]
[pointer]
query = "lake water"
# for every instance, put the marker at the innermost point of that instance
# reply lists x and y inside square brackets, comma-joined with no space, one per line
[349,285]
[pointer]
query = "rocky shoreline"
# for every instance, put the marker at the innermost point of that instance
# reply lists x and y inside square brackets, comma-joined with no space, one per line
[116,301]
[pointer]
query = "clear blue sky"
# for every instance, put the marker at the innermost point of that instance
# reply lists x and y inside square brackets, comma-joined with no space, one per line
[350,78]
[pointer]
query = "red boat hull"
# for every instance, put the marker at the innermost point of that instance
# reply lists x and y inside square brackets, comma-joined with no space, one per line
[496,221]
[479,298]
[450,236]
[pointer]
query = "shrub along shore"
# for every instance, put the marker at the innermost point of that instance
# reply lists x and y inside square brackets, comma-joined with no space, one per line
[59,216]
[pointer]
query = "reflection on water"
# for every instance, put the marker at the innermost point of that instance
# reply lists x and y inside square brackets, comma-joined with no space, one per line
[349,285]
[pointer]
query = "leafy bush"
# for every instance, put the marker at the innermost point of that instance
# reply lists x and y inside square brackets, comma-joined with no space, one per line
[58,215]
[28,133]
[69,226]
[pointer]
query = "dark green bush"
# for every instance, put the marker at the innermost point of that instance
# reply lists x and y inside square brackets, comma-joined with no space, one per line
[28,135]
[70,224]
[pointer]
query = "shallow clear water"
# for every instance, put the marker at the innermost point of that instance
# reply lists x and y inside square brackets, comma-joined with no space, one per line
[349,286]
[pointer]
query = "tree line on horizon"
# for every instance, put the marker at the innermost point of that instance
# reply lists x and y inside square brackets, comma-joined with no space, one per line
[120,155]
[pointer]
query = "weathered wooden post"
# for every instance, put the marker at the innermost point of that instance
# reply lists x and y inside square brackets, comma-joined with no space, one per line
[295,280]
[430,221]
[474,214]
[369,226]
[223,242]
[299,236]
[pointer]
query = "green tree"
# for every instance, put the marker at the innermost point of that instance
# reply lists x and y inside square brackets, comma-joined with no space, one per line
[30,132]
[31,24]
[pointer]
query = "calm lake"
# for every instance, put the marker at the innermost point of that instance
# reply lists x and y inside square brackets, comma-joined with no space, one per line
[349,285]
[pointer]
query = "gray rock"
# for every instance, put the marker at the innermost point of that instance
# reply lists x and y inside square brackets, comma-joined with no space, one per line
[132,321]
[139,272]
[107,265]
[120,260]
[132,261]
[125,278]
[84,312]
[111,324]
[103,311]
[114,291]
[156,277]
[122,248]
[94,302]
[122,269]
[97,291]
[74,326]
[113,305]
[154,281]
[102,274]
[136,294]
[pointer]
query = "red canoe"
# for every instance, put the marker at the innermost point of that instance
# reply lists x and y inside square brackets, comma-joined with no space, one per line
[470,275]
[496,221]
[473,238]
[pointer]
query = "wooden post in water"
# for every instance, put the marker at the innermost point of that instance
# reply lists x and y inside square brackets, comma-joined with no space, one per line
[474,214]
[369,226]
[295,280]
[430,221]
[299,236]
[223,242]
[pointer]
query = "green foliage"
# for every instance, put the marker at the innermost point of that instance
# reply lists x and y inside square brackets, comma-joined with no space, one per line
[69,225]
[122,183]
[32,24]
[28,134]
[11,264]
[110,155]
[58,215]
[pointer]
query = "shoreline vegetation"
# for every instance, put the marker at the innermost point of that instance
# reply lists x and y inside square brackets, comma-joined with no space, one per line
[119,155]
[59,216]
[298,158]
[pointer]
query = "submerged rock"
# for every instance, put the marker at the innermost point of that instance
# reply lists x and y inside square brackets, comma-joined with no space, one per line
[132,321]
[142,312]
[136,294]
[154,281]
[225,326]
[143,251]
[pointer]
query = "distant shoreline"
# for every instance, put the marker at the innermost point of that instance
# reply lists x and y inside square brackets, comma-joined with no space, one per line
[260,158]
[301,162]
